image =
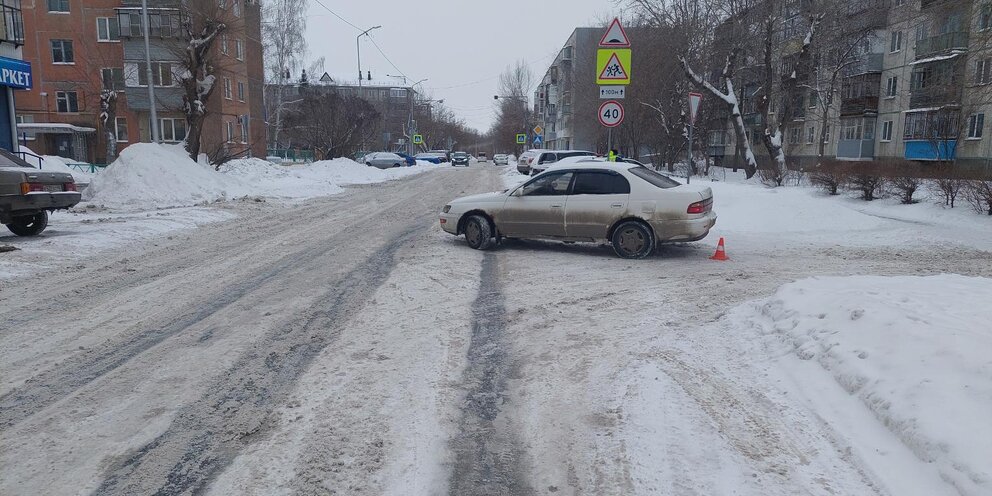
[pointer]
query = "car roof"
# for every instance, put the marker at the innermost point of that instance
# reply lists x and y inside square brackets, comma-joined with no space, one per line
[590,163]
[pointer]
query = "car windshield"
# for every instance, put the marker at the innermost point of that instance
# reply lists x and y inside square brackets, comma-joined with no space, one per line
[653,177]
[459,155]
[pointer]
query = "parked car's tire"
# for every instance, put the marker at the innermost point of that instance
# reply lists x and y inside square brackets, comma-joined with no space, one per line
[368,164]
[479,233]
[633,239]
[396,165]
[29,225]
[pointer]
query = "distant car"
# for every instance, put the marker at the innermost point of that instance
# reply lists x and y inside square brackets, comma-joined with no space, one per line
[523,163]
[501,159]
[547,157]
[360,156]
[459,158]
[482,157]
[444,153]
[629,206]
[433,158]
[410,161]
[384,160]
[28,194]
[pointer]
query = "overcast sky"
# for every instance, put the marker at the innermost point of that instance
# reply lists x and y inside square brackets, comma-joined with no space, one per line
[461,46]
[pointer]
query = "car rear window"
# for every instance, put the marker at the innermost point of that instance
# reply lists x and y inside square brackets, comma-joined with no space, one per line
[653,177]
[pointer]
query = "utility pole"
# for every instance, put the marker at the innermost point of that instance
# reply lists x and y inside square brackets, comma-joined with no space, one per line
[358,48]
[148,72]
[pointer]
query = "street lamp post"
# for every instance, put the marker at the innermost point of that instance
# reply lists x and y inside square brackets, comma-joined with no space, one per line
[148,73]
[358,47]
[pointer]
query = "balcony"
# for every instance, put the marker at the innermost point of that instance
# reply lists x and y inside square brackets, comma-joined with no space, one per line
[859,106]
[868,63]
[936,149]
[856,149]
[11,25]
[941,96]
[941,43]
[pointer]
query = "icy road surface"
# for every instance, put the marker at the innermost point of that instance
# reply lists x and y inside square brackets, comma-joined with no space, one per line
[347,346]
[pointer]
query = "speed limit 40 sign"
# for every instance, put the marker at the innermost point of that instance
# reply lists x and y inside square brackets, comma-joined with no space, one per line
[611,113]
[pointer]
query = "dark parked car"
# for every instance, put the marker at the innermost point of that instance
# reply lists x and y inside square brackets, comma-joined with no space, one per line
[409,160]
[433,158]
[459,158]
[28,194]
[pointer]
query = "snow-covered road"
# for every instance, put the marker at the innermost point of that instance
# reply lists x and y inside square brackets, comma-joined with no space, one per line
[346,345]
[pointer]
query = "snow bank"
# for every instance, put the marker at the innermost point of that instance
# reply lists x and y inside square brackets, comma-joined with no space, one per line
[157,176]
[58,164]
[913,350]
[146,175]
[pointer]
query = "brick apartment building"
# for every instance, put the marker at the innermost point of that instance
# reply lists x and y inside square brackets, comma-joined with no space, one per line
[78,48]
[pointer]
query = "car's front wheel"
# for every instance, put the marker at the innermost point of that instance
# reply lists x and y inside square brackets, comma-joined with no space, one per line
[479,232]
[29,225]
[633,239]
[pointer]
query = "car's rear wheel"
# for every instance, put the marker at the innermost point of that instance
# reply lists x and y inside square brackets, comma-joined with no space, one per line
[479,232]
[633,239]
[29,225]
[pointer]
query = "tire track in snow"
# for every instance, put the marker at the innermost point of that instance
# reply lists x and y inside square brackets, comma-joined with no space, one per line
[486,452]
[207,434]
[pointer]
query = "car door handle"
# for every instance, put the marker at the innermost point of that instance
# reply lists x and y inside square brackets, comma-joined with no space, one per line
[617,205]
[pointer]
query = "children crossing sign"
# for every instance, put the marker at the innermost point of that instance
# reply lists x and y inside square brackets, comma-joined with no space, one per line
[613,66]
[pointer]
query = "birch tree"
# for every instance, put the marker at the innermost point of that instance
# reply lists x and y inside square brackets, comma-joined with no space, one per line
[284,45]
[730,101]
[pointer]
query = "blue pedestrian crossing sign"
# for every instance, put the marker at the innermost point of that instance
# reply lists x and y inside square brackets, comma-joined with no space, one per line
[418,139]
[521,139]
[538,139]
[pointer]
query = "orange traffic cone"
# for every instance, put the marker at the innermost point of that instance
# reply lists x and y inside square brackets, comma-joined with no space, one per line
[721,252]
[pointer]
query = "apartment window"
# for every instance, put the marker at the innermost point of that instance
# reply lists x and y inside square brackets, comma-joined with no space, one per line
[172,129]
[108,29]
[113,78]
[921,31]
[886,131]
[852,129]
[975,124]
[794,135]
[985,17]
[66,102]
[826,134]
[810,135]
[223,43]
[230,131]
[58,6]
[120,129]
[236,7]
[397,92]
[899,3]
[161,74]
[227,88]
[983,71]
[891,86]
[163,24]
[895,42]
[62,52]
[241,91]
[239,49]
[244,129]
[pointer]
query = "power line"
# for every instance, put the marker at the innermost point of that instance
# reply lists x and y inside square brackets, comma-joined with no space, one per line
[376,45]
[346,21]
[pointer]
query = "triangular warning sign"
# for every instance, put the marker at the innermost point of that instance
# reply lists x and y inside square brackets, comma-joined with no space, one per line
[615,36]
[614,70]
[326,78]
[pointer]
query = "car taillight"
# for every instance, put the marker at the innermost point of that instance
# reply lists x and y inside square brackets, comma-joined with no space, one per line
[29,187]
[69,187]
[700,207]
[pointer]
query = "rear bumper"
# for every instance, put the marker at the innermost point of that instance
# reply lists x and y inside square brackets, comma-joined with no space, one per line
[38,201]
[684,230]
[523,169]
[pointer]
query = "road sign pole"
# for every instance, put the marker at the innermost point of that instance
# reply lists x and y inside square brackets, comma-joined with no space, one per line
[688,174]
[609,140]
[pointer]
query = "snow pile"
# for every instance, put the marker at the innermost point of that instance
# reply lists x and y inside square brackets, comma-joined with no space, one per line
[52,163]
[158,176]
[147,175]
[913,350]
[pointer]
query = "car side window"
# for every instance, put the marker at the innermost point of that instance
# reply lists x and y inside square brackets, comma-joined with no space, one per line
[600,183]
[555,184]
